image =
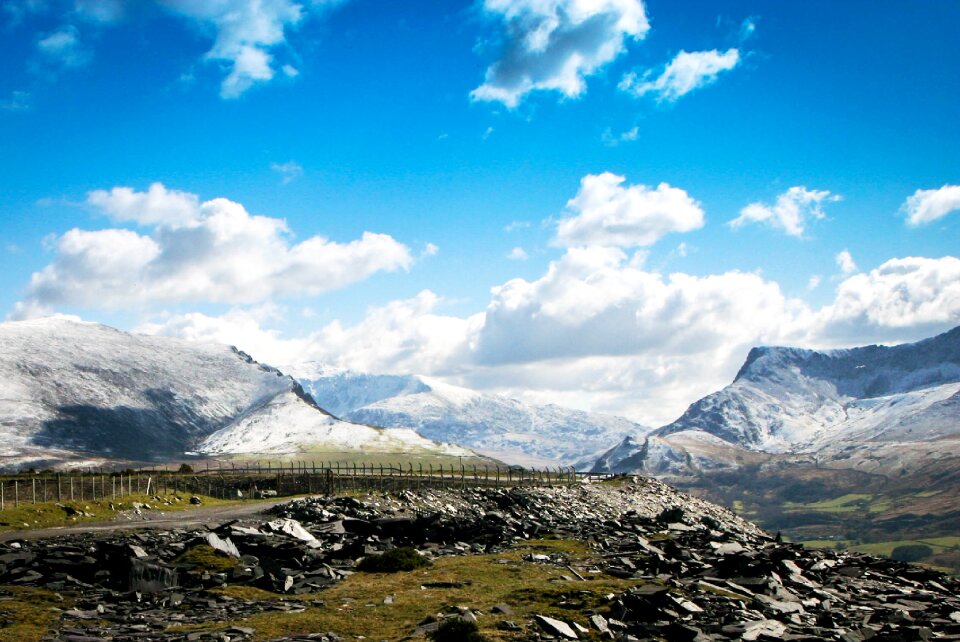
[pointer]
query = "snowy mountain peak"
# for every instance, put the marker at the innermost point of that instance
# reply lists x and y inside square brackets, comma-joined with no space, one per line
[789,400]
[494,425]
[81,391]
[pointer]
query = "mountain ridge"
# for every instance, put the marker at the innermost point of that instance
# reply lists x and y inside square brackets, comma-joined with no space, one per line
[73,391]
[792,401]
[494,425]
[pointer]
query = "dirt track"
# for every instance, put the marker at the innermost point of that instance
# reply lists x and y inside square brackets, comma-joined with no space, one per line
[152,519]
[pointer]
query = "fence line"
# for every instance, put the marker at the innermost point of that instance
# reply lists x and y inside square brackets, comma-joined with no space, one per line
[254,479]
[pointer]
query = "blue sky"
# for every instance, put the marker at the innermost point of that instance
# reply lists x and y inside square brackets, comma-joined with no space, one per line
[548,186]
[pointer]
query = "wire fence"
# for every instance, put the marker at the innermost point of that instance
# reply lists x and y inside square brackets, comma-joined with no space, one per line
[256,480]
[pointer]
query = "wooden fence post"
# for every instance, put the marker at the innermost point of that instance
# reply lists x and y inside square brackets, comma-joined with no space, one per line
[16,494]
[34,484]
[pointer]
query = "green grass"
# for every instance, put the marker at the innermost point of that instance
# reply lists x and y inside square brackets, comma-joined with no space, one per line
[203,557]
[849,503]
[49,515]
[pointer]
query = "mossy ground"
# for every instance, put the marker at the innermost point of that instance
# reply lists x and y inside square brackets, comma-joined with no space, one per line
[26,614]
[356,607]
[203,557]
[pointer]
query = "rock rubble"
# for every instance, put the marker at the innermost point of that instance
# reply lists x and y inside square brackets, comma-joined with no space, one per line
[703,573]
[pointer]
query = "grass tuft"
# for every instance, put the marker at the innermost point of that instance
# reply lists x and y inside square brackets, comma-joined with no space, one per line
[458,630]
[404,558]
[203,557]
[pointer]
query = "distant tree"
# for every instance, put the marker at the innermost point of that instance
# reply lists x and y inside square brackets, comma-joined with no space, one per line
[911,552]
[186,469]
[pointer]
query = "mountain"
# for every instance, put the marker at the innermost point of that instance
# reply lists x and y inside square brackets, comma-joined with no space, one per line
[81,392]
[494,425]
[876,409]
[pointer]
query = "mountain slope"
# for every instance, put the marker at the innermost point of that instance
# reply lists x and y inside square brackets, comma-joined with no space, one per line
[491,424]
[844,406]
[74,391]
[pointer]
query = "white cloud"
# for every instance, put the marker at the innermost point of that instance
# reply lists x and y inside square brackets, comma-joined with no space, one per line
[901,299]
[814,282]
[607,213]
[156,206]
[102,11]
[845,262]
[518,254]
[290,171]
[213,251]
[246,32]
[599,331]
[63,47]
[791,213]
[928,205]
[429,249]
[686,72]
[516,225]
[612,140]
[554,45]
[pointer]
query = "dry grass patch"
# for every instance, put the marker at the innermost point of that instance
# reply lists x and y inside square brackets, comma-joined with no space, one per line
[50,515]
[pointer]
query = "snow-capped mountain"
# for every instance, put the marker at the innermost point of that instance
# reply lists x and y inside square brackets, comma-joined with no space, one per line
[493,425]
[74,391]
[872,408]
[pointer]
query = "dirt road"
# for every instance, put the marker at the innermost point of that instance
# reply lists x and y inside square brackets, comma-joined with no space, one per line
[153,519]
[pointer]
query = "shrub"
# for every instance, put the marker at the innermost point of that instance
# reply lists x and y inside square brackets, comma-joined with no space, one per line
[911,552]
[404,558]
[457,630]
[185,469]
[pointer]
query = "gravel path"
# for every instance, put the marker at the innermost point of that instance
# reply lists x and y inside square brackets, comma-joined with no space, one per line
[152,519]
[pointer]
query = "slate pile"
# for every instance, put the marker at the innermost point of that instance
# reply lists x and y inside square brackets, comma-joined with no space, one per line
[705,574]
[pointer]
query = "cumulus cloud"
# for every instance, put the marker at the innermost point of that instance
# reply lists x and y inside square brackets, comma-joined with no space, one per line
[901,299]
[554,45]
[605,212]
[688,71]
[791,213]
[597,330]
[246,32]
[400,337]
[845,262]
[928,205]
[214,251]
[156,206]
